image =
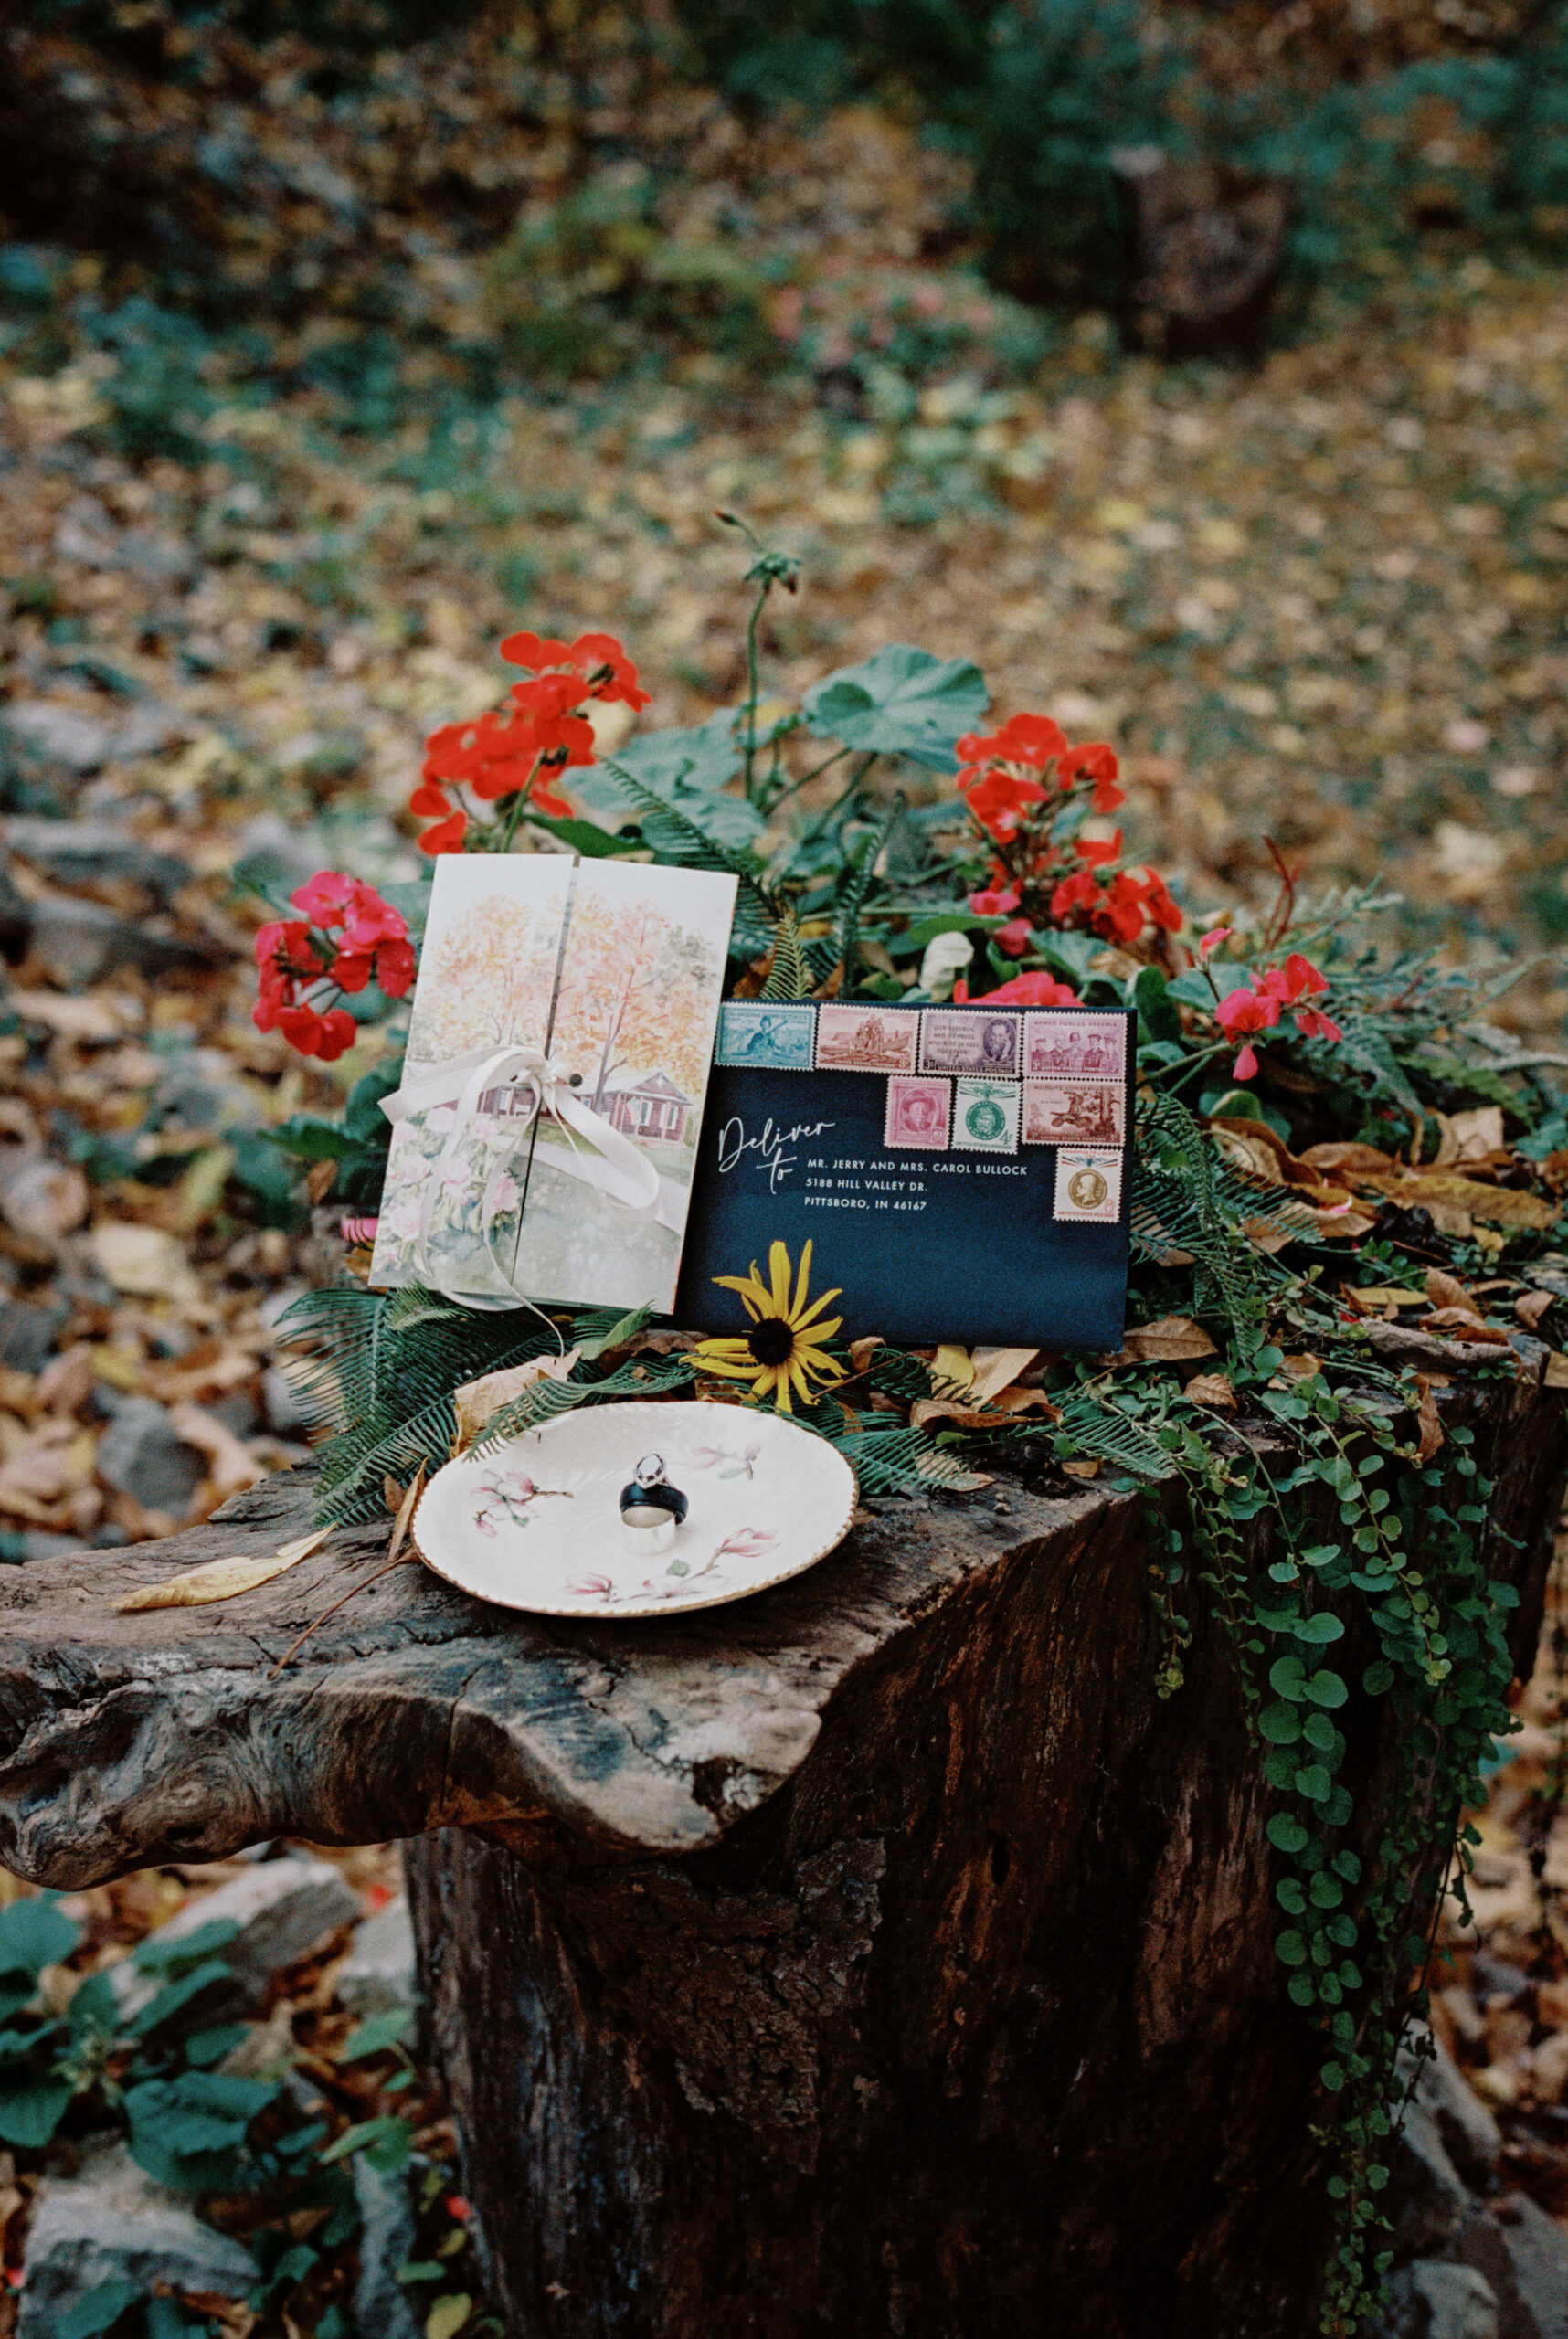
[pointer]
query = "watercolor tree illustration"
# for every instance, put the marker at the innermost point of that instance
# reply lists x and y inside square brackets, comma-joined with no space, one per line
[487,982]
[634,997]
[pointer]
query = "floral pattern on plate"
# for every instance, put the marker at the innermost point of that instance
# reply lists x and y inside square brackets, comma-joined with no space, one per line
[534,1524]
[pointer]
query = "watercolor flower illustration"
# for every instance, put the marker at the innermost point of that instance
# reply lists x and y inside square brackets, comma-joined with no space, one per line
[784,1349]
[723,1463]
[505,1496]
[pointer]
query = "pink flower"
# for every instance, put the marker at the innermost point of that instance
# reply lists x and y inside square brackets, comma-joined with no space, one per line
[1211,941]
[590,1587]
[997,901]
[747,1543]
[1313,1024]
[1245,1065]
[1014,938]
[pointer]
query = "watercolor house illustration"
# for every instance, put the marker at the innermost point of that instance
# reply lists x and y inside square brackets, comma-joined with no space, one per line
[647,1107]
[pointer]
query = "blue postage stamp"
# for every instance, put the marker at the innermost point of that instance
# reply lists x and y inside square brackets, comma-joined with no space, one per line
[766,1035]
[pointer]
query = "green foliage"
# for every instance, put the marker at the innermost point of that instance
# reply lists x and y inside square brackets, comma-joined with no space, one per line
[191,2131]
[359,1143]
[98,2312]
[900,701]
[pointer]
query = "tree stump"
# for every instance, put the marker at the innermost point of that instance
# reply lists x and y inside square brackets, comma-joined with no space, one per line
[876,1954]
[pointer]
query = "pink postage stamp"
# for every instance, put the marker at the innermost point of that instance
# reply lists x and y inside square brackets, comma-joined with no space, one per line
[918,1113]
[1073,1112]
[1059,1043]
[866,1039]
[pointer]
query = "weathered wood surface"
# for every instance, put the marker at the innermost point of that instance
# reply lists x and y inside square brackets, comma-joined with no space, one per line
[877,1954]
[125,1740]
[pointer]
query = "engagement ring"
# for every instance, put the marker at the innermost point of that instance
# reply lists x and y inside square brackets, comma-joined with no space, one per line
[651,1508]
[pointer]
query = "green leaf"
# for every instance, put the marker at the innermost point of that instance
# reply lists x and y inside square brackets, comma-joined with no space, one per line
[383,2142]
[31,2110]
[212,1973]
[902,702]
[159,1954]
[1157,1011]
[447,2317]
[1290,1948]
[189,2131]
[1286,1833]
[1333,2077]
[588,838]
[788,976]
[1320,1630]
[1324,1688]
[1280,1724]
[393,2029]
[1287,1678]
[420,2270]
[33,1934]
[98,2312]
[94,2008]
[205,2048]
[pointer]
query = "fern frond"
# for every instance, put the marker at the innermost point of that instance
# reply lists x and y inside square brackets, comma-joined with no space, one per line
[1186,1198]
[789,977]
[857,885]
[1096,1425]
[675,837]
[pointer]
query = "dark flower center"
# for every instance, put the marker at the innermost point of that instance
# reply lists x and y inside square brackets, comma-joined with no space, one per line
[772,1341]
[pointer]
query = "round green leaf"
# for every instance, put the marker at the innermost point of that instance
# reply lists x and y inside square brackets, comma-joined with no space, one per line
[1285,1832]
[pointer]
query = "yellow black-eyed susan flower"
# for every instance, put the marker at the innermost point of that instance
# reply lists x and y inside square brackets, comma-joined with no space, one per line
[784,1349]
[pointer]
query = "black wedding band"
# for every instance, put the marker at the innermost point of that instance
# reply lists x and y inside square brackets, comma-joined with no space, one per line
[647,1502]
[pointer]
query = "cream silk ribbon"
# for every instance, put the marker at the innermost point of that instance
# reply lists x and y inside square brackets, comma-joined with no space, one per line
[612,1165]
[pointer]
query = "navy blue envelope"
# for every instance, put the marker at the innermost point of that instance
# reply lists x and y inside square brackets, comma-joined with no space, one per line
[963,1173]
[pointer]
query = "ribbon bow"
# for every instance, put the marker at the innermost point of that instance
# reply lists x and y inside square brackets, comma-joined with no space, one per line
[611,1164]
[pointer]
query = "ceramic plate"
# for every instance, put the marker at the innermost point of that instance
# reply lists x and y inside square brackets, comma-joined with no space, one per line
[534,1523]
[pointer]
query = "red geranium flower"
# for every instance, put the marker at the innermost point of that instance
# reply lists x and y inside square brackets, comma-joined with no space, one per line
[999,799]
[1094,761]
[1014,938]
[1035,988]
[597,659]
[1022,739]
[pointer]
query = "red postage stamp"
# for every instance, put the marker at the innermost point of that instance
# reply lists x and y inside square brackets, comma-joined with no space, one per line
[866,1039]
[918,1113]
[1073,1112]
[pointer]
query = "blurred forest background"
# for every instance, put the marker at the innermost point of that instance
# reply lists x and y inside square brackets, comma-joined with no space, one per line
[1200,370]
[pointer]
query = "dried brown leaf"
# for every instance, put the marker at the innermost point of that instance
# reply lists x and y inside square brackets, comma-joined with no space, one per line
[476,1401]
[1428,1421]
[1212,1388]
[1171,1339]
[1532,1305]
[1556,1373]
[221,1579]
[1447,1291]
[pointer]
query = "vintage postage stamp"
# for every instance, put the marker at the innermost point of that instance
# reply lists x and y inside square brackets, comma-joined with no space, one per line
[985,1115]
[1088,1185]
[766,1035]
[866,1039]
[918,1113]
[953,1041]
[1059,1043]
[1073,1112]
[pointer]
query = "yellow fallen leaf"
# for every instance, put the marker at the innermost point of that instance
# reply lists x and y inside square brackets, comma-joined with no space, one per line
[951,1367]
[1556,1373]
[1005,1408]
[996,1369]
[221,1579]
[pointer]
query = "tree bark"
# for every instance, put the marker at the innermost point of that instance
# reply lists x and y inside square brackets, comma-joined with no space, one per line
[877,1955]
